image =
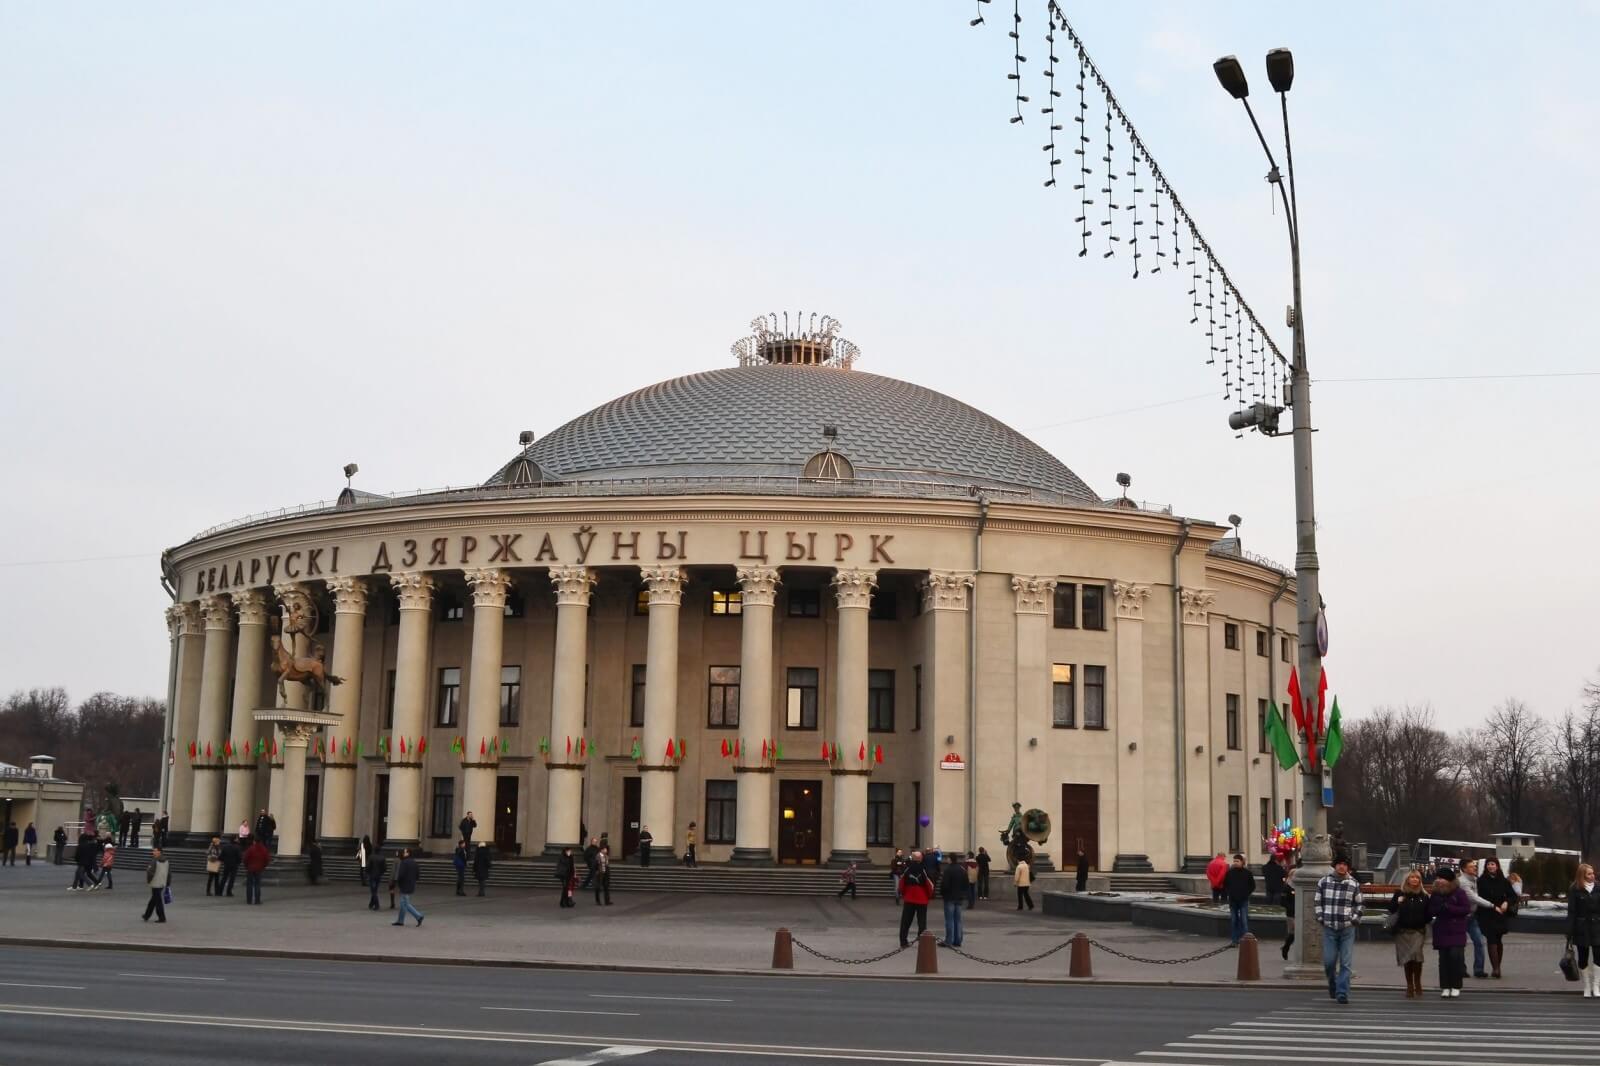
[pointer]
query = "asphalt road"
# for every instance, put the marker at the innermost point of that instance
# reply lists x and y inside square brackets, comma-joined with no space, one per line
[68,1005]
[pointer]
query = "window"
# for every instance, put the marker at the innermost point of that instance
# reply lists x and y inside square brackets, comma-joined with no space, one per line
[1094,697]
[880,814]
[802,698]
[636,706]
[441,822]
[1261,726]
[1283,648]
[1063,707]
[388,701]
[1288,810]
[511,695]
[1233,724]
[641,601]
[805,603]
[1094,606]
[880,701]
[516,606]
[884,607]
[722,811]
[1261,643]
[727,601]
[916,706]
[1234,828]
[1066,606]
[449,696]
[451,609]
[1266,821]
[722,710]
[1230,636]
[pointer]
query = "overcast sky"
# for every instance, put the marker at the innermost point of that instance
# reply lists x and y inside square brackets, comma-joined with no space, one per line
[241,246]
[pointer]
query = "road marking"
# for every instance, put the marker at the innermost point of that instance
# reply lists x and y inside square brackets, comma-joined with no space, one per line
[665,999]
[172,977]
[605,1054]
[555,1010]
[30,984]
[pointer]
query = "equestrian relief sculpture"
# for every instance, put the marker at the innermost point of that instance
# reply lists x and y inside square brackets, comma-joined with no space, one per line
[300,620]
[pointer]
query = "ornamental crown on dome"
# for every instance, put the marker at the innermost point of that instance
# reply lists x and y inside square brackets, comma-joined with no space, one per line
[811,341]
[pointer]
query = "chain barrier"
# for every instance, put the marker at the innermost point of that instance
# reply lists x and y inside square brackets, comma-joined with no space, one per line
[1108,949]
[825,957]
[1009,962]
[1213,953]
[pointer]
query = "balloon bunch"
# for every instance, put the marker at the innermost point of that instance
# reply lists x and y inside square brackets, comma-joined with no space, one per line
[1284,839]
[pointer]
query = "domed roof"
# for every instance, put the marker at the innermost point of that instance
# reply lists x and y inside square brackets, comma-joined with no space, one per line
[766,421]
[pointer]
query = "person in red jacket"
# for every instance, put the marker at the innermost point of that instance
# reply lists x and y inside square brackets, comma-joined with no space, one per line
[1216,871]
[256,858]
[915,892]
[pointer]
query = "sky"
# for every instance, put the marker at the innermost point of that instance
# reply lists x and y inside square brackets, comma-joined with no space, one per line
[242,245]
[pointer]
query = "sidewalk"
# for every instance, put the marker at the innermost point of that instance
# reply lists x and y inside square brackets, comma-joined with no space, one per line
[652,931]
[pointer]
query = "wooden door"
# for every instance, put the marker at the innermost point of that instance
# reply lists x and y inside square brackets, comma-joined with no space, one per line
[630,817]
[800,822]
[505,815]
[380,812]
[1080,821]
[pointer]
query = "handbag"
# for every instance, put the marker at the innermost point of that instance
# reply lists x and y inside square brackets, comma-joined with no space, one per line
[166,896]
[1569,962]
[1391,924]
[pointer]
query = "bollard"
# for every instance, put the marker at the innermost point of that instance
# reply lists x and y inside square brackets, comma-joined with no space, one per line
[1249,959]
[927,954]
[1079,966]
[782,950]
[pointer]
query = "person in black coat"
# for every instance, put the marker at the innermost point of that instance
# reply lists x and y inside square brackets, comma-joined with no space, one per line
[1082,882]
[406,876]
[983,873]
[314,863]
[1286,897]
[567,877]
[590,861]
[231,856]
[468,824]
[61,844]
[1238,884]
[1493,920]
[87,853]
[481,860]
[1272,874]
[376,864]
[645,840]
[1583,927]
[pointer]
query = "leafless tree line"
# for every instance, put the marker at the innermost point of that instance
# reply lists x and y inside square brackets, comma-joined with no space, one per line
[105,740]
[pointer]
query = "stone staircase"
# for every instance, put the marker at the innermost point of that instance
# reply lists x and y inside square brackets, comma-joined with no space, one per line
[1134,882]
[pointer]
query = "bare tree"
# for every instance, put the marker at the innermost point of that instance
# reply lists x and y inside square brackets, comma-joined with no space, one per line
[1575,767]
[1400,777]
[1505,758]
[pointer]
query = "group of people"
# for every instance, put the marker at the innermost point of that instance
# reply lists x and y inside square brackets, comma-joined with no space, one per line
[29,839]
[1459,906]
[960,882]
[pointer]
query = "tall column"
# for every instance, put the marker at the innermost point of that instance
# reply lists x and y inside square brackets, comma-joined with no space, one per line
[292,818]
[188,624]
[410,707]
[564,800]
[1197,754]
[1132,850]
[205,814]
[944,681]
[853,592]
[753,835]
[291,596]
[658,786]
[489,588]
[1035,598]
[337,829]
[248,667]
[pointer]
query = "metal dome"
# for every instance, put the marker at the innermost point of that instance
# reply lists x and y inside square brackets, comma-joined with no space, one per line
[766,421]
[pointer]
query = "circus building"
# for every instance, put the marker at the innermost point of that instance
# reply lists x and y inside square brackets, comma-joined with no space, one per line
[816,611]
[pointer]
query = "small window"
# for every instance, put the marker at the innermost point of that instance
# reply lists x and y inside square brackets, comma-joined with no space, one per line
[441,822]
[801,710]
[449,696]
[1233,724]
[641,601]
[880,701]
[884,606]
[722,710]
[1234,828]
[1094,606]
[1261,643]
[1283,648]
[805,603]
[880,814]
[727,601]
[1266,821]
[916,706]
[1288,811]
[451,609]
[636,705]
[1094,697]
[1261,726]
[1063,707]
[389,686]
[516,606]
[1230,636]
[722,811]
[1066,606]
[510,695]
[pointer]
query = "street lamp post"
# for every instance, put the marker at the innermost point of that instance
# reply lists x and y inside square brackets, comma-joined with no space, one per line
[1306,959]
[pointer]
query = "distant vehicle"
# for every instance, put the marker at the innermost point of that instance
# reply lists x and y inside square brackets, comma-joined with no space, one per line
[1432,852]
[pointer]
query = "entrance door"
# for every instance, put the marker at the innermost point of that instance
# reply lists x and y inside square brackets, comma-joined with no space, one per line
[800,822]
[1080,821]
[505,815]
[630,816]
[308,831]
[380,814]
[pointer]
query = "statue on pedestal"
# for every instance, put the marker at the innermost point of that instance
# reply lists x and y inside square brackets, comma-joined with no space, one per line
[300,620]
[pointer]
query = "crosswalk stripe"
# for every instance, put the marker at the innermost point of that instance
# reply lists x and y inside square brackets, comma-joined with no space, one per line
[1272,1028]
[1360,1045]
[1234,1056]
[600,1056]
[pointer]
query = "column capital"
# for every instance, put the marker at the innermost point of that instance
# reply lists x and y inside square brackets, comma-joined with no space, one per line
[760,585]
[185,620]
[252,607]
[1130,599]
[853,588]
[665,584]
[293,595]
[349,595]
[946,590]
[218,612]
[572,585]
[415,590]
[1196,605]
[1035,595]
[489,586]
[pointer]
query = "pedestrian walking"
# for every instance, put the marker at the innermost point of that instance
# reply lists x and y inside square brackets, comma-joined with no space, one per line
[363,849]
[60,839]
[848,880]
[589,862]
[1467,880]
[915,892]
[376,864]
[1272,874]
[1022,877]
[30,841]
[1286,897]
[971,868]
[214,867]
[1583,928]
[459,860]
[13,838]
[468,825]
[567,877]
[1409,908]
[645,840]
[1238,884]
[689,858]
[1081,884]
[88,851]
[107,859]
[406,876]
[602,873]
[481,860]
[983,872]
[1494,888]
[897,870]
[953,890]
[231,857]
[256,859]
[158,876]
[1450,910]
[1337,907]
[1216,870]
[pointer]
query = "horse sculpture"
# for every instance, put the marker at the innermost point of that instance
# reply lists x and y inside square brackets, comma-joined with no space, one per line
[309,670]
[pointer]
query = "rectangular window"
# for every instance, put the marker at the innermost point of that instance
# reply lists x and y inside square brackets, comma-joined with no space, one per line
[442,819]
[516,606]
[1094,697]
[1094,606]
[511,695]
[636,706]
[722,710]
[449,696]
[1261,726]
[388,701]
[722,811]
[641,601]
[1283,648]
[1266,821]
[880,815]
[916,706]
[801,712]
[1063,705]
[451,609]
[1233,723]
[1230,636]
[727,601]
[884,607]
[1066,606]
[805,603]
[1288,810]
[1234,828]
[1261,643]
[880,701]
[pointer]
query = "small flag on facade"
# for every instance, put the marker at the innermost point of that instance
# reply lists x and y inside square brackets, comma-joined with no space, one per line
[861,756]
[736,748]
[683,749]
[569,745]
[877,754]
[763,750]
[274,747]
[191,749]
[227,748]
[636,753]
[726,751]
[483,745]
[422,745]
[824,749]
[780,752]
[1280,740]
[261,746]
[1335,746]
[347,745]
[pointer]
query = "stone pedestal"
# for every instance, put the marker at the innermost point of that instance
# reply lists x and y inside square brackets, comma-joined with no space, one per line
[296,727]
